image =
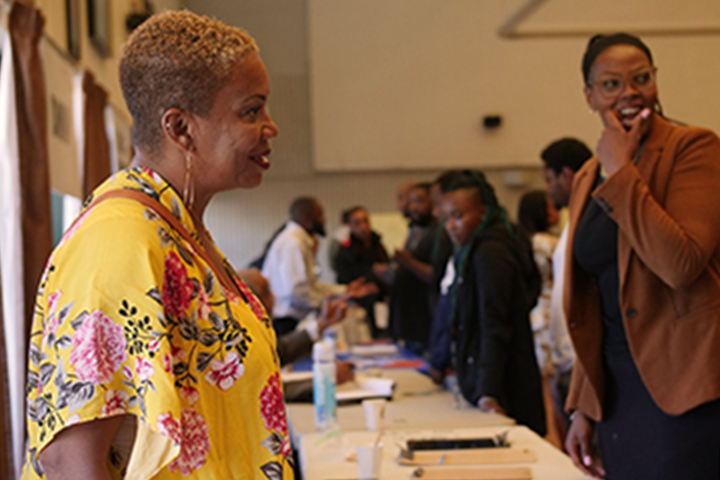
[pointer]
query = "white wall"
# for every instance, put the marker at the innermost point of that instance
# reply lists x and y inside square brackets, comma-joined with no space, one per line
[405,83]
[417,76]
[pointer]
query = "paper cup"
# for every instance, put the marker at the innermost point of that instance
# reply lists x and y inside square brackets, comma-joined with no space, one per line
[368,460]
[374,414]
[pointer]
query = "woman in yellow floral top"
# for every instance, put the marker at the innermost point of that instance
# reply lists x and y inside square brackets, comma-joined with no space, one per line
[149,358]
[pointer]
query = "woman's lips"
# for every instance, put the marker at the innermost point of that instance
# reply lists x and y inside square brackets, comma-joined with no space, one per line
[628,114]
[261,160]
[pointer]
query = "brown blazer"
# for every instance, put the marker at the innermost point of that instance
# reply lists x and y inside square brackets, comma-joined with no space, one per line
[668,212]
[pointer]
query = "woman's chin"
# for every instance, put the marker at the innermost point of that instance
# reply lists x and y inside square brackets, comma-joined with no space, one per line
[252,181]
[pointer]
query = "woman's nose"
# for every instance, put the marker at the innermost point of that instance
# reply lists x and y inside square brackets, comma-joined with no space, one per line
[270,130]
[628,90]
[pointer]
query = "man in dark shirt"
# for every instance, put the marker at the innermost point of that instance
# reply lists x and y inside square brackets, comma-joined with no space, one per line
[414,287]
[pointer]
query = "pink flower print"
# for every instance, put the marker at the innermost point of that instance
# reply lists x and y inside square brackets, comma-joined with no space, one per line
[167,362]
[285,447]
[253,302]
[224,374]
[272,407]
[168,427]
[175,356]
[53,321]
[115,402]
[144,369]
[98,348]
[53,299]
[127,371]
[189,394]
[203,304]
[177,290]
[194,443]
[52,325]
[178,354]
[230,295]
[153,345]
[155,177]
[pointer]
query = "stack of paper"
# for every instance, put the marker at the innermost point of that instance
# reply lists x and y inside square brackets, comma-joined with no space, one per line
[365,387]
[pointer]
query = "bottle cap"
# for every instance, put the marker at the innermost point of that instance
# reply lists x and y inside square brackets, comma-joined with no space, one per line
[323,351]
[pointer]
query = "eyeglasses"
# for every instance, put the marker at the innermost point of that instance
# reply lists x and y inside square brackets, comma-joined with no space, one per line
[612,87]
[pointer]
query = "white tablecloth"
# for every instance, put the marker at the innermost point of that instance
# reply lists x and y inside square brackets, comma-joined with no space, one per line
[323,457]
[417,403]
[419,409]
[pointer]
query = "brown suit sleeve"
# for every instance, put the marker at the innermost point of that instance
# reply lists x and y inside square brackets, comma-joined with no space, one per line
[581,395]
[676,241]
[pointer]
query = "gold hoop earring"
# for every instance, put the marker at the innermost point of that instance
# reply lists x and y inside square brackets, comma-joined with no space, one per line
[188,189]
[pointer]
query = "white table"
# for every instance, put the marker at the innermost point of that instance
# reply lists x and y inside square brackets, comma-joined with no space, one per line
[419,409]
[324,458]
[417,403]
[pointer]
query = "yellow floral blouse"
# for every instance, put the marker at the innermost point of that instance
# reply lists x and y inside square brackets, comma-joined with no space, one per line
[130,320]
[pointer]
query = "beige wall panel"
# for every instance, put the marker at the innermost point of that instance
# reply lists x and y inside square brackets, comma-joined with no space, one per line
[404,84]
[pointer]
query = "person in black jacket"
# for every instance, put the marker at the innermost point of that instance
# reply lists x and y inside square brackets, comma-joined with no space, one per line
[355,259]
[361,250]
[495,285]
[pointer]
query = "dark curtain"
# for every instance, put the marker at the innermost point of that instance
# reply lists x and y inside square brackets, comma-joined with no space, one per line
[97,148]
[26,27]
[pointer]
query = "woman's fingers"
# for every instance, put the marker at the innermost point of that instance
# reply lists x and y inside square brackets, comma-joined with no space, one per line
[610,121]
[579,447]
[586,451]
[638,122]
[572,445]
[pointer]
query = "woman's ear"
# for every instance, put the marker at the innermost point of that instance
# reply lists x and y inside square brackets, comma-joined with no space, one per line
[175,127]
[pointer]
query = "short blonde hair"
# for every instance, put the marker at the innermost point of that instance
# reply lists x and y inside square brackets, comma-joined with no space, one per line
[177,59]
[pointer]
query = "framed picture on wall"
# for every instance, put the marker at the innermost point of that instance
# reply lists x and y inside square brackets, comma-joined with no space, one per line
[98,31]
[72,16]
[119,133]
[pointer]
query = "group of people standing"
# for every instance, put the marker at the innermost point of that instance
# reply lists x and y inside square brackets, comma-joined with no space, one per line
[151,358]
[460,291]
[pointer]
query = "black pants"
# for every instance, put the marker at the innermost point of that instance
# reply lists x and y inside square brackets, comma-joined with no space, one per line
[639,441]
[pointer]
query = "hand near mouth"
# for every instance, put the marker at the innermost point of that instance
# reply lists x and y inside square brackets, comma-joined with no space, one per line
[617,145]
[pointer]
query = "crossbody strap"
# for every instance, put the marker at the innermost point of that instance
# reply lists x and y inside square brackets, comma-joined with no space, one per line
[171,219]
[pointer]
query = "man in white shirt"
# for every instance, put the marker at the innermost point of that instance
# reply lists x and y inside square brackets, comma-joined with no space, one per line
[291,269]
[561,159]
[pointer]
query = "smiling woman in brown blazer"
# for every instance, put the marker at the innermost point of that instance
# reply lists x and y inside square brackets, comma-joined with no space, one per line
[642,281]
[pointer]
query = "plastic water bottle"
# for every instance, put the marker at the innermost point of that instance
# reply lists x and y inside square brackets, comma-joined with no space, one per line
[324,382]
[330,335]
